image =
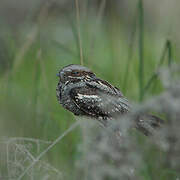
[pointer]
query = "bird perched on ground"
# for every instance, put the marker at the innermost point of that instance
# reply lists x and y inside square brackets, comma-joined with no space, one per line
[80,91]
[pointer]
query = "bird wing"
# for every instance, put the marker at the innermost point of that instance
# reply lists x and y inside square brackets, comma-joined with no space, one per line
[112,95]
[104,86]
[97,103]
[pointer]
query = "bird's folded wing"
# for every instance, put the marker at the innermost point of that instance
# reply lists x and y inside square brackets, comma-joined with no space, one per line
[98,103]
[104,86]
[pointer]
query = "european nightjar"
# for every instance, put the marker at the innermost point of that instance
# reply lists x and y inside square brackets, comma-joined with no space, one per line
[80,91]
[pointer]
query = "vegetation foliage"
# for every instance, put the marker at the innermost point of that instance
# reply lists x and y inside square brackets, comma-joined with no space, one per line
[41,140]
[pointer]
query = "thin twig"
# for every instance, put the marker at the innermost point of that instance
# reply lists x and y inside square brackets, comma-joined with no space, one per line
[79,31]
[10,140]
[48,148]
[24,150]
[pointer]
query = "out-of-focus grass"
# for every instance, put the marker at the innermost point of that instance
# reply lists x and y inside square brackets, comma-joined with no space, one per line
[28,105]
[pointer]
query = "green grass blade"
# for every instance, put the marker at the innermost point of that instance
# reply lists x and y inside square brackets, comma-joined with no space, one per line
[141,49]
[130,53]
[167,49]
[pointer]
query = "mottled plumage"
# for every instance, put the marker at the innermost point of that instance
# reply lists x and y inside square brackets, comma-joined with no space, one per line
[84,94]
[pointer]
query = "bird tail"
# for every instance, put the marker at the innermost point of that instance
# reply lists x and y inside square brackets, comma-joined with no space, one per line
[148,124]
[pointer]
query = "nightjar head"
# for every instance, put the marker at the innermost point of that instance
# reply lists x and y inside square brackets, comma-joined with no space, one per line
[74,73]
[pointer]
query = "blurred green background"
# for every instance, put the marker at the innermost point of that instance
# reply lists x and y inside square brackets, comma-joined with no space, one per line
[121,41]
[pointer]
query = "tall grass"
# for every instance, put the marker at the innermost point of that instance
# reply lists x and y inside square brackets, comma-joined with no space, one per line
[141,49]
[167,50]
[79,32]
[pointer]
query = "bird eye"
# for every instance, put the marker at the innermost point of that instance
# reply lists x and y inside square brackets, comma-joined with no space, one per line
[75,72]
